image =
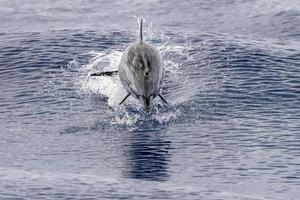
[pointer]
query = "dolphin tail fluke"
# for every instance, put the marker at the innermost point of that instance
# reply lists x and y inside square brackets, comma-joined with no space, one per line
[124,98]
[108,73]
[163,99]
[141,31]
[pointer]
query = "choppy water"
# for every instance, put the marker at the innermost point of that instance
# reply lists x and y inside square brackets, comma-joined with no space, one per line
[231,131]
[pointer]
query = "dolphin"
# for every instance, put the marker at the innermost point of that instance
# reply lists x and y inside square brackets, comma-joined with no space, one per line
[141,71]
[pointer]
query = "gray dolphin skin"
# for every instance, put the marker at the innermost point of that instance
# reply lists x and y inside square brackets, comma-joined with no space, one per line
[141,71]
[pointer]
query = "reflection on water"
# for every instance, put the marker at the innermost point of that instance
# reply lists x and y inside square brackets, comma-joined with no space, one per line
[147,156]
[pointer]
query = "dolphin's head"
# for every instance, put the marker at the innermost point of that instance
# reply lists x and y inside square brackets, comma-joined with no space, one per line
[142,67]
[146,72]
[145,76]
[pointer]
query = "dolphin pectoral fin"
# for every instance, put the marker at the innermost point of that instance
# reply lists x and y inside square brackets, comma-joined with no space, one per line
[108,73]
[162,99]
[124,98]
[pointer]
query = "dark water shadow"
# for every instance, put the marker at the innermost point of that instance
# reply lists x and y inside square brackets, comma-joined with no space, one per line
[147,156]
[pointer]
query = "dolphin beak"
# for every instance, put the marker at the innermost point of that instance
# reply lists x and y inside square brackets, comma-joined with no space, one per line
[147,103]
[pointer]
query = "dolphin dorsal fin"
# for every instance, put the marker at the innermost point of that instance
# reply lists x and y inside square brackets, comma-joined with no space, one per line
[141,31]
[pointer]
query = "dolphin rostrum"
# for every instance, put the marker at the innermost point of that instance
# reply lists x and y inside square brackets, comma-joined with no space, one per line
[141,71]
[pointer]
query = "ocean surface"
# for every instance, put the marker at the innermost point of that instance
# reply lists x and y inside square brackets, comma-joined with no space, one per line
[231,130]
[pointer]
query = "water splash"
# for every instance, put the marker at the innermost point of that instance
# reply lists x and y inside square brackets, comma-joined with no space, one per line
[111,91]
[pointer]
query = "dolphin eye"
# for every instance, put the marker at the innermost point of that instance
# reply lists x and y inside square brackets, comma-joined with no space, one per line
[138,66]
[141,66]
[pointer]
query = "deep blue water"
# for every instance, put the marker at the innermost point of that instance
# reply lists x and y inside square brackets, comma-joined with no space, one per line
[231,131]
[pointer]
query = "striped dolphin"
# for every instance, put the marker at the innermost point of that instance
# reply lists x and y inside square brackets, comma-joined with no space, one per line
[141,71]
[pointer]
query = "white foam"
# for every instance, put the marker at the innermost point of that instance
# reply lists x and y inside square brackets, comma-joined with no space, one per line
[109,87]
[168,116]
[126,119]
